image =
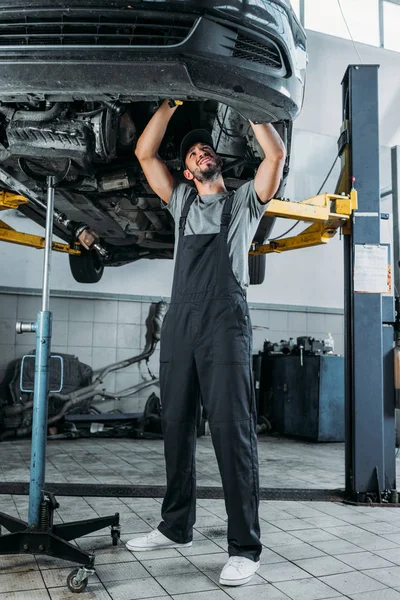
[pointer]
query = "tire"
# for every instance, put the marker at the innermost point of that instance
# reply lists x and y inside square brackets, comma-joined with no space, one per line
[257,264]
[86,267]
[76,588]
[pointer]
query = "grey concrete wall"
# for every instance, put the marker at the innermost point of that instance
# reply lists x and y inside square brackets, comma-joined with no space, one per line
[100,330]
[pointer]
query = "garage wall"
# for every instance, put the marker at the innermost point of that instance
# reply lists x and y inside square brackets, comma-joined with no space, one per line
[100,330]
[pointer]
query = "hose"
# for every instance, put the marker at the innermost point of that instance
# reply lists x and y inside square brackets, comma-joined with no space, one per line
[32,115]
[88,392]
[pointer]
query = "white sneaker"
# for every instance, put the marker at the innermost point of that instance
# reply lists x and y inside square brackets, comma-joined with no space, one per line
[154,540]
[238,571]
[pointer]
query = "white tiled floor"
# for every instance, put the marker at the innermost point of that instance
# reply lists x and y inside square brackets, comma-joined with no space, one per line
[311,551]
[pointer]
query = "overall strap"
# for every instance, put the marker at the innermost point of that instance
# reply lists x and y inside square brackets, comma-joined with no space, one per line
[227,211]
[182,221]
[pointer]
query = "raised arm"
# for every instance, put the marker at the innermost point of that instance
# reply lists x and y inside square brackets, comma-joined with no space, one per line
[156,172]
[269,173]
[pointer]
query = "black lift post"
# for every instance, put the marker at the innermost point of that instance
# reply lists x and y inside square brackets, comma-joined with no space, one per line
[369,311]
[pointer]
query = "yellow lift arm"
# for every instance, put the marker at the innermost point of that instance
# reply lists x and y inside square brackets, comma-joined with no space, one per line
[326,212]
[8,201]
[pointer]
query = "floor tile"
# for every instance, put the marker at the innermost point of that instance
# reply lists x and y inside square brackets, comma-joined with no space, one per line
[325,565]
[269,557]
[21,582]
[292,525]
[206,562]
[280,539]
[336,547]
[116,555]
[389,576]
[216,595]
[392,555]
[17,563]
[200,547]
[156,554]
[135,590]
[210,521]
[49,562]
[376,542]
[348,531]
[213,533]
[307,589]
[381,528]
[364,560]
[314,535]
[33,595]
[352,583]
[121,572]
[267,528]
[322,522]
[284,571]
[186,583]
[393,537]
[169,566]
[377,595]
[255,592]
[94,543]
[297,552]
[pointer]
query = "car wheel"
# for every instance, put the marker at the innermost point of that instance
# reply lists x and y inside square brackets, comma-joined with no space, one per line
[257,263]
[86,267]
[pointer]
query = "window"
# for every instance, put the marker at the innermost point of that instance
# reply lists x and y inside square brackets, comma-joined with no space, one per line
[361,16]
[391,25]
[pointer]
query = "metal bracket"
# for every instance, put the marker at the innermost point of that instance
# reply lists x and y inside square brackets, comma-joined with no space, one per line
[327,212]
[8,234]
[9,201]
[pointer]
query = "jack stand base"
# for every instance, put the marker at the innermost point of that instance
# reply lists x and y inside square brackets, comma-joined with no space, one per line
[54,541]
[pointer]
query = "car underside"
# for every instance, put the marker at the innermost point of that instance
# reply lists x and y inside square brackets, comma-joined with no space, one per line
[62,112]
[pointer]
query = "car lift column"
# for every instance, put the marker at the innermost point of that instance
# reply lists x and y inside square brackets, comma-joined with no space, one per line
[369,317]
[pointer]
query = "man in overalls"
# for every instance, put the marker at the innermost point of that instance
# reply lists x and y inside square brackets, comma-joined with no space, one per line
[206,342]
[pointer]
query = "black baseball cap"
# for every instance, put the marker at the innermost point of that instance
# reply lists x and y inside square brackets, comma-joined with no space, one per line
[197,136]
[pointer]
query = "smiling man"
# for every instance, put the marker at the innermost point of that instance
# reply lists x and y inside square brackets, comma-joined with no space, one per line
[206,342]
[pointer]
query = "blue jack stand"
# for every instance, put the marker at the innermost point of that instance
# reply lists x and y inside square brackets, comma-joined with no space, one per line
[40,535]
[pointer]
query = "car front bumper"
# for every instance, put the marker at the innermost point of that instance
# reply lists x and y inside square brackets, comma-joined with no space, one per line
[204,65]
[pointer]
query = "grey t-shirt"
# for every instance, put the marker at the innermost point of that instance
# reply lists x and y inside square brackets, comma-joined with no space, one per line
[205,217]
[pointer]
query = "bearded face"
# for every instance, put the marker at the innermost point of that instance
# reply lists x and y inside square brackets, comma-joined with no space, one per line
[203,163]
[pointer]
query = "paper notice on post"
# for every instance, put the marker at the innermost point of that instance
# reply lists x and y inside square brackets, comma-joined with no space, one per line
[371,269]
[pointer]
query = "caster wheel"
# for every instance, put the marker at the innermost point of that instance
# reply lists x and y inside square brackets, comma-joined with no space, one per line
[73,586]
[115,537]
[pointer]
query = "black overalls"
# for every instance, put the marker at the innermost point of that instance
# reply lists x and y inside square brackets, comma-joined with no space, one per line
[206,347]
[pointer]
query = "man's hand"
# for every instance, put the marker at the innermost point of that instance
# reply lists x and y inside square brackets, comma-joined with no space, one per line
[269,173]
[156,172]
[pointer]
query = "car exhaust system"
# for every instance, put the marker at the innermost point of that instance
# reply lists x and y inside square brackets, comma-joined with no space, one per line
[79,231]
